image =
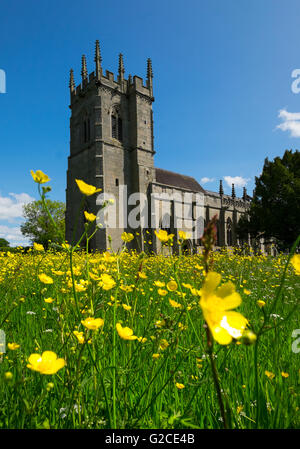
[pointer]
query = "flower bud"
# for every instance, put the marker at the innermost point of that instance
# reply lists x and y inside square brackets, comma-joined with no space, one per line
[8,376]
[46,189]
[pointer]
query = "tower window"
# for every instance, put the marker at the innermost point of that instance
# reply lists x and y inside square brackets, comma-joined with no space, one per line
[117,182]
[113,127]
[116,127]
[120,133]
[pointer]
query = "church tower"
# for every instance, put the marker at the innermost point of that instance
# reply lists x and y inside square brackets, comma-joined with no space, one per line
[111,145]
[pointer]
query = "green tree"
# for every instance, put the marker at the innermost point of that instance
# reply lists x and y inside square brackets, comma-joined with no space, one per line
[4,243]
[38,227]
[275,209]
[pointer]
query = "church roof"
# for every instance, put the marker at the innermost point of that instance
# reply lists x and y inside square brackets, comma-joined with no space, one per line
[172,179]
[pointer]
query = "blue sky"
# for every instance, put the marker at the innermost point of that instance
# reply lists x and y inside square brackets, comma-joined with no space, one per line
[222,74]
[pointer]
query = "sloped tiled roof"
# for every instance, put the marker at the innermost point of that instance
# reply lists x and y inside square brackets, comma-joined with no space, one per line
[170,178]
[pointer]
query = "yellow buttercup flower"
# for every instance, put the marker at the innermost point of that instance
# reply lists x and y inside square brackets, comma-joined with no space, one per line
[80,287]
[269,374]
[85,188]
[126,288]
[125,332]
[163,236]
[183,235]
[89,216]
[175,304]
[13,346]
[39,177]
[284,374]
[295,261]
[179,386]
[45,279]
[260,303]
[163,344]
[126,307]
[162,292]
[216,303]
[58,272]
[155,356]
[47,363]
[198,267]
[172,286]
[94,277]
[38,247]
[160,323]
[108,257]
[79,336]
[49,300]
[107,282]
[142,339]
[159,284]
[127,237]
[93,323]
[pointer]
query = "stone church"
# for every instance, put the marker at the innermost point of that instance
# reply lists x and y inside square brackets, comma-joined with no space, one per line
[112,148]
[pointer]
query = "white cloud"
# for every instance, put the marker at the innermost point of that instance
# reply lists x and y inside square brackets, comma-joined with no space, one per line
[11,207]
[13,235]
[238,181]
[205,180]
[290,122]
[11,212]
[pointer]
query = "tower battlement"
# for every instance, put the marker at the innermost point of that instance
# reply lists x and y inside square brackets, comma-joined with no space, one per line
[108,80]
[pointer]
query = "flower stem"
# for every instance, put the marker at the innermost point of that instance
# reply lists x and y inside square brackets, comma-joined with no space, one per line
[216,376]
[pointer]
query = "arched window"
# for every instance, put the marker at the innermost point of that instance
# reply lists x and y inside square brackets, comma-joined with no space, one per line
[116,125]
[113,127]
[165,223]
[229,231]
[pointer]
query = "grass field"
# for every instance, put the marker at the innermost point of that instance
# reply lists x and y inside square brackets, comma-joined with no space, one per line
[164,378]
[136,341]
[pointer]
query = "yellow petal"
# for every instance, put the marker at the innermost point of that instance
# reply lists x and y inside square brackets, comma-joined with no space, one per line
[225,289]
[234,323]
[49,356]
[39,176]
[295,261]
[34,359]
[60,363]
[211,282]
[231,301]
[85,188]
[221,335]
